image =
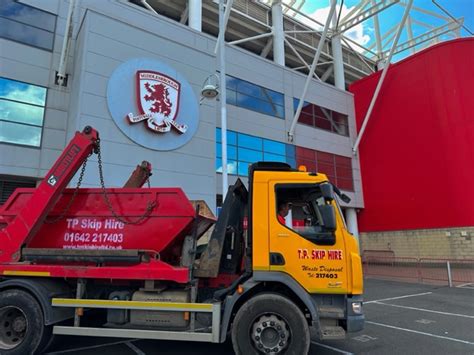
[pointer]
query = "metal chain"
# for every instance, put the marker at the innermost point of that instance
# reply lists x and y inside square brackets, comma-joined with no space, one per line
[150,204]
[76,191]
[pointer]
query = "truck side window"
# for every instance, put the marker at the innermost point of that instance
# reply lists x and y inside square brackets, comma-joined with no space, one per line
[298,209]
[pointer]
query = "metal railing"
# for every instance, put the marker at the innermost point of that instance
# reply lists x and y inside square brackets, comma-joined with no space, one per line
[423,270]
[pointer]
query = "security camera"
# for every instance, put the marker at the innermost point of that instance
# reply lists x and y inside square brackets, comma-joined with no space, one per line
[209,91]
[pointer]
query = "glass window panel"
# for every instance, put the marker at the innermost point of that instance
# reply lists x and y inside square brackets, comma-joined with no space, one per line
[343,172]
[280,111]
[231,82]
[20,134]
[339,117]
[27,15]
[250,155]
[343,161]
[305,153]
[306,119]
[249,89]
[326,168]
[26,34]
[231,137]
[290,151]
[231,151]
[291,162]
[325,157]
[15,90]
[273,96]
[308,107]
[273,147]
[322,123]
[22,113]
[231,166]
[345,184]
[251,142]
[322,112]
[266,108]
[247,102]
[274,157]
[231,97]
[243,168]
[342,129]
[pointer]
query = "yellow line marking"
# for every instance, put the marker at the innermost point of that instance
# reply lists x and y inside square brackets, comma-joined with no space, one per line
[26,273]
[85,303]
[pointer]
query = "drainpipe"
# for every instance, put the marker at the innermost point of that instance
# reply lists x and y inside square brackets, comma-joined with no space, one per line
[61,74]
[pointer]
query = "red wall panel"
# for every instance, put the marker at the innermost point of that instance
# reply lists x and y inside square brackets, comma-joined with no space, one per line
[417,153]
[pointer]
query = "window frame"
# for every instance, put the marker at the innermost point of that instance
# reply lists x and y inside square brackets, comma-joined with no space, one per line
[267,99]
[284,157]
[26,124]
[322,233]
[53,32]
[315,116]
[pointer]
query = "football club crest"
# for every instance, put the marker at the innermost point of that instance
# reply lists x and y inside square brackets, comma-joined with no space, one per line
[153,104]
[158,102]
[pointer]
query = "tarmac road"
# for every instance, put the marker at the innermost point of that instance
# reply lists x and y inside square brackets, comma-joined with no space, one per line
[401,318]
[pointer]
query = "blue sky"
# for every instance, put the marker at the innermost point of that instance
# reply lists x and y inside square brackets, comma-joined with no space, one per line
[364,34]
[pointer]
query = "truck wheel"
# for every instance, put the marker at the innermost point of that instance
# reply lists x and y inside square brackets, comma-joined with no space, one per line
[270,324]
[22,329]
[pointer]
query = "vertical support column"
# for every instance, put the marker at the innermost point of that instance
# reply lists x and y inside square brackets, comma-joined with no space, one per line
[378,39]
[351,219]
[223,98]
[339,79]
[195,14]
[278,33]
[410,33]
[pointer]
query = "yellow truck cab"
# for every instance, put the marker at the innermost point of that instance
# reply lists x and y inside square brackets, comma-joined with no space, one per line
[306,269]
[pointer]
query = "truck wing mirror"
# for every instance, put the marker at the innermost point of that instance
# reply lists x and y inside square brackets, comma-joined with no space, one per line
[327,191]
[329,217]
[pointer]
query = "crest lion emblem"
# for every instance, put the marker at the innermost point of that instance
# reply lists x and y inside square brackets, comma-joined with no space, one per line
[158,102]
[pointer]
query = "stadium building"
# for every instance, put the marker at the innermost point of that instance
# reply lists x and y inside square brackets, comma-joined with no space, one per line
[145,74]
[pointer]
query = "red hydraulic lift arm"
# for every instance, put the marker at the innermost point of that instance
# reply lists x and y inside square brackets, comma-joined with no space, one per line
[29,220]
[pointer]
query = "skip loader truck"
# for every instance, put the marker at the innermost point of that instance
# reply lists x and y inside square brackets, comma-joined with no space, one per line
[131,262]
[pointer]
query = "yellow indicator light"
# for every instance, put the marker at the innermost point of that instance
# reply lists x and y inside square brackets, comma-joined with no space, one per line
[302,168]
[186,315]
[240,289]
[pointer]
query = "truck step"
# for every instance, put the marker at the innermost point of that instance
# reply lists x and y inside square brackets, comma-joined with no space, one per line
[332,333]
[327,311]
[81,255]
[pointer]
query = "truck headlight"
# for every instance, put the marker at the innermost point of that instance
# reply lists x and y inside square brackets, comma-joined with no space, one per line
[357,307]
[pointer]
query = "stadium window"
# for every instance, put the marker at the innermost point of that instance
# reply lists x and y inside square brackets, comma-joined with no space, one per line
[27,25]
[21,112]
[337,168]
[322,118]
[253,97]
[244,149]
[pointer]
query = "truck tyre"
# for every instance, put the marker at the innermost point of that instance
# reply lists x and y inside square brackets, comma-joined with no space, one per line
[22,329]
[270,324]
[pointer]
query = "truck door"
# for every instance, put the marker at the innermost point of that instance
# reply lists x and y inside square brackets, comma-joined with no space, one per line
[300,243]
